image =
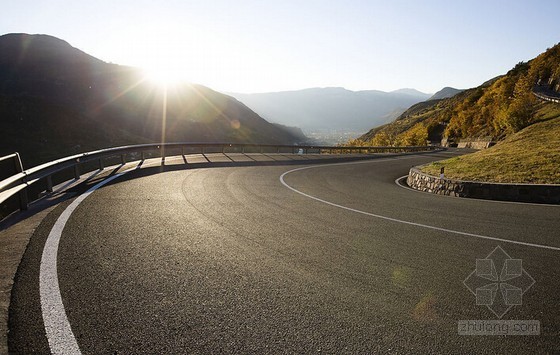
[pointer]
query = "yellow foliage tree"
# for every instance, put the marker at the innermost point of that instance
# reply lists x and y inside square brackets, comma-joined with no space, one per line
[417,135]
[382,139]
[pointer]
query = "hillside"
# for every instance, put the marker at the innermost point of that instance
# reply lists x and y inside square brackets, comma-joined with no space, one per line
[54,95]
[331,108]
[498,108]
[41,131]
[531,155]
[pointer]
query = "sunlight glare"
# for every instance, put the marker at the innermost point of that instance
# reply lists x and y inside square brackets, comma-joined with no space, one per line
[164,75]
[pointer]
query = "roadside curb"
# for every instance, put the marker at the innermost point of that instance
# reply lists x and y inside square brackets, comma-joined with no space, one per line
[533,193]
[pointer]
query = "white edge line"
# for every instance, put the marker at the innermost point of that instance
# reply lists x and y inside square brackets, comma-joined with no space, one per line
[399,220]
[57,327]
[397,181]
[58,331]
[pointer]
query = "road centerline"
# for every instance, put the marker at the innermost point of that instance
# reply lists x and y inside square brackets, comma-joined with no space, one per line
[396,220]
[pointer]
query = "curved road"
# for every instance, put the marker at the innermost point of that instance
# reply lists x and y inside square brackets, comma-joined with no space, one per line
[266,259]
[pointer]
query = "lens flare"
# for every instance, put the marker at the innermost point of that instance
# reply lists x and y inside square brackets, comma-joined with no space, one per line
[235,124]
[163,76]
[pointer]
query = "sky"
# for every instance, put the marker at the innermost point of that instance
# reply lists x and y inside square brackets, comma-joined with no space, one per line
[251,46]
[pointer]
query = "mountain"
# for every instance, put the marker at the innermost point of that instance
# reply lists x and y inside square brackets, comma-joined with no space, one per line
[445,93]
[498,108]
[409,91]
[294,131]
[55,99]
[331,108]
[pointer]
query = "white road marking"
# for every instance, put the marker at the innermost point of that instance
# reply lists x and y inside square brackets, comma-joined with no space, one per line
[400,220]
[59,333]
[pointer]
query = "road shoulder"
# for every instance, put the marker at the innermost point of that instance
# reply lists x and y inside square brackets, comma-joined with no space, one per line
[13,242]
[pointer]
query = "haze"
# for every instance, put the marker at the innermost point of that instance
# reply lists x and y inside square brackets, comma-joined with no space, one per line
[263,46]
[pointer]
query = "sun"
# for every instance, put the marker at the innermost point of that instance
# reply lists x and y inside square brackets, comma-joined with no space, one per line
[164,75]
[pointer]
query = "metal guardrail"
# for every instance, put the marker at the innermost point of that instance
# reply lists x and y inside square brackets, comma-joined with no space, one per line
[546,97]
[23,179]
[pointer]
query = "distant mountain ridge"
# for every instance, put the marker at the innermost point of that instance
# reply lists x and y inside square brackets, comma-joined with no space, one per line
[445,93]
[43,78]
[408,91]
[332,107]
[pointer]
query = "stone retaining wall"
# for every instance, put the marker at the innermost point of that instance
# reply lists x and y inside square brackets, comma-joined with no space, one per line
[475,143]
[490,191]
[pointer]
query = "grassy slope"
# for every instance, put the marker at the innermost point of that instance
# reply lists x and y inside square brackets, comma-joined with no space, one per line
[530,156]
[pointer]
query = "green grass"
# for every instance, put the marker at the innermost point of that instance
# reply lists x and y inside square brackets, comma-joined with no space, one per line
[531,155]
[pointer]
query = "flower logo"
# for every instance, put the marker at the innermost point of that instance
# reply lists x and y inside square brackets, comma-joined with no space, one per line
[499,291]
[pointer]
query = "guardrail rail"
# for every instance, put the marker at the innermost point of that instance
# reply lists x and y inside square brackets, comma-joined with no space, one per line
[546,95]
[21,180]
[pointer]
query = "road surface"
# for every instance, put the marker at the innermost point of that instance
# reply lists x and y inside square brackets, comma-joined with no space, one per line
[269,259]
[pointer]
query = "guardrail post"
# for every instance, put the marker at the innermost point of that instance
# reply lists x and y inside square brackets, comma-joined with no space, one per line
[23,200]
[49,184]
[223,149]
[183,151]
[18,163]
[201,150]
[143,155]
[123,159]
[77,169]
[101,164]
[243,150]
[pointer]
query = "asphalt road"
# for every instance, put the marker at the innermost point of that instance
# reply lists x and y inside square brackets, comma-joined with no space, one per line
[231,259]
